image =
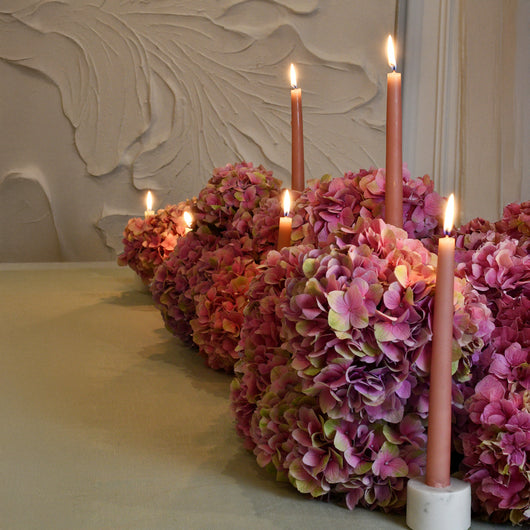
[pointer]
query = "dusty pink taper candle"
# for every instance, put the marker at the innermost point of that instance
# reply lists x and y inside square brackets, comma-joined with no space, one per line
[284,232]
[297,136]
[394,164]
[439,427]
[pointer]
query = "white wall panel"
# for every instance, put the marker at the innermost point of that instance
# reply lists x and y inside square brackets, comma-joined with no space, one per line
[101,100]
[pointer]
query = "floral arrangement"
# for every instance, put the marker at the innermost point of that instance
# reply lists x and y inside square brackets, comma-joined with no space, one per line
[201,288]
[330,339]
[337,403]
[494,435]
[149,241]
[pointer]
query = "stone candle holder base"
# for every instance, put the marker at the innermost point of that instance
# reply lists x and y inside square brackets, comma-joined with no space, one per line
[431,508]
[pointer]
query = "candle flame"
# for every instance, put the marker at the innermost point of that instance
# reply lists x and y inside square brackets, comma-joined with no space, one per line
[449,214]
[286,203]
[188,219]
[149,201]
[390,53]
[293,76]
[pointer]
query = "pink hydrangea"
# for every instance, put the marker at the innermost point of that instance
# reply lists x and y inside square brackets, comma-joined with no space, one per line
[260,342]
[148,242]
[336,400]
[493,431]
[219,307]
[201,289]
[332,203]
[230,188]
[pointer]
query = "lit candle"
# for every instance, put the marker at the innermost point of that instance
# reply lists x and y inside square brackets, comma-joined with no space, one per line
[297,135]
[394,165]
[149,205]
[439,428]
[188,219]
[284,233]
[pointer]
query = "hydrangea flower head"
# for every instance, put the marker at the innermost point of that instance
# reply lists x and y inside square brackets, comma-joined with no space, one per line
[149,241]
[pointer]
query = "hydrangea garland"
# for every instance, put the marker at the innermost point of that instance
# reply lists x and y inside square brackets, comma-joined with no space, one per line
[148,242]
[344,412]
[494,435]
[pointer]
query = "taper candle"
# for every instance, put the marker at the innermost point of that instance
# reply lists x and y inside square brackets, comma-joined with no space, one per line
[149,205]
[284,232]
[394,164]
[439,422]
[297,136]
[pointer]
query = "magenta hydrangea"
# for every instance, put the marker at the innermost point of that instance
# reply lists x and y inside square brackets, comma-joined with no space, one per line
[336,402]
[149,241]
[493,432]
[329,204]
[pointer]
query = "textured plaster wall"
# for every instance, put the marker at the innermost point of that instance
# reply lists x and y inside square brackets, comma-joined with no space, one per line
[101,100]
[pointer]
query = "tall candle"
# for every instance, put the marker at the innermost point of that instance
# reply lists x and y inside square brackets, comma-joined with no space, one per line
[297,136]
[284,232]
[149,205]
[394,164]
[439,427]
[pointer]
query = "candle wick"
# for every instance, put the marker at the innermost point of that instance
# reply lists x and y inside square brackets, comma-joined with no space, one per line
[393,68]
[294,87]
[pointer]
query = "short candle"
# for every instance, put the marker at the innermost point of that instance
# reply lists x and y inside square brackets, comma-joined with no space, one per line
[284,232]
[188,219]
[149,205]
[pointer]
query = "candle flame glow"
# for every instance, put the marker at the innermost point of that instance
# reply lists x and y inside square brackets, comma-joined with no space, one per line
[188,219]
[390,53]
[149,201]
[449,214]
[293,76]
[286,203]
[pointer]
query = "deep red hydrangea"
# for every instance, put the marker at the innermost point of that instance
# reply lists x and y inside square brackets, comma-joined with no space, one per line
[219,307]
[515,220]
[149,241]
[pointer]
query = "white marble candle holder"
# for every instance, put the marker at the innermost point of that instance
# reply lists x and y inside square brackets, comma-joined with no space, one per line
[431,508]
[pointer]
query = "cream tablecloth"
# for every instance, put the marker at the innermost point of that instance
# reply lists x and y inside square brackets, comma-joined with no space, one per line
[108,422]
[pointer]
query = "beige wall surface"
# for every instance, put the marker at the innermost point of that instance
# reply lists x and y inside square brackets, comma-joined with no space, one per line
[467,100]
[101,100]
